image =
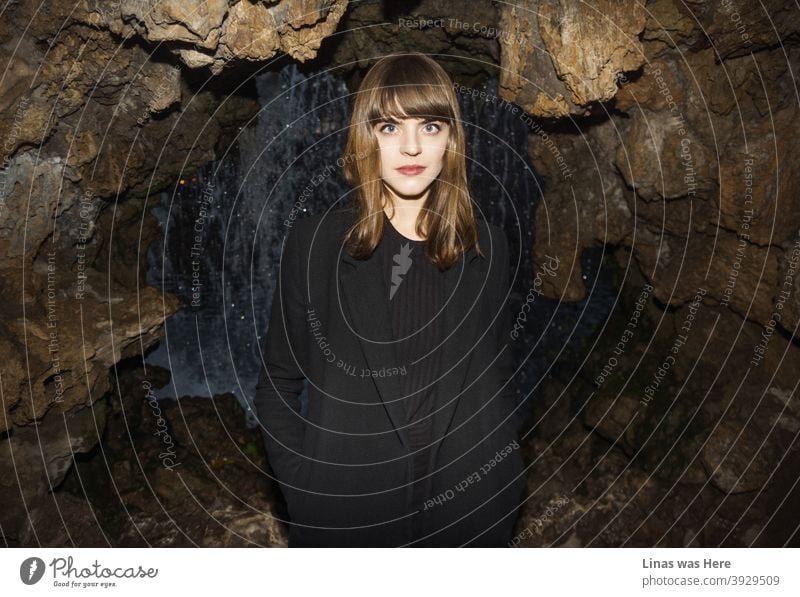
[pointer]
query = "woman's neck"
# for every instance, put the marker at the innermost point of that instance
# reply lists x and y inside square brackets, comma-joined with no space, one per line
[404,219]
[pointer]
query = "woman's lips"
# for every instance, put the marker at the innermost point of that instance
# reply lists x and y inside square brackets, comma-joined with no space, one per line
[411,170]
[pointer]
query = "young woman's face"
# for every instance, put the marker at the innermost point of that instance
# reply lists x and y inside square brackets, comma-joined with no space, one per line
[412,152]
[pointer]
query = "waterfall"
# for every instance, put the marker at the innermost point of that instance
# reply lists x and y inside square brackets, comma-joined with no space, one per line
[223,228]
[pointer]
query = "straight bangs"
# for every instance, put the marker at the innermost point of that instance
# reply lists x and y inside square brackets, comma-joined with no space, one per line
[419,99]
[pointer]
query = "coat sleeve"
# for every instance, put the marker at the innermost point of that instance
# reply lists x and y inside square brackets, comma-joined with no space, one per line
[282,376]
[504,325]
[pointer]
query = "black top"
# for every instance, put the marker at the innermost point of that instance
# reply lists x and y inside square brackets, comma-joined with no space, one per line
[415,291]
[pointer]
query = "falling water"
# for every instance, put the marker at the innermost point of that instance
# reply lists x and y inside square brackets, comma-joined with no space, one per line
[223,229]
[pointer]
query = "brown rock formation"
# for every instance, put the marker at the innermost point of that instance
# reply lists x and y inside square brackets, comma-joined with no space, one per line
[688,168]
[95,110]
[559,57]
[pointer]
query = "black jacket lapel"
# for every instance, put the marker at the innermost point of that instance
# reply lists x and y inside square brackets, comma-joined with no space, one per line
[368,315]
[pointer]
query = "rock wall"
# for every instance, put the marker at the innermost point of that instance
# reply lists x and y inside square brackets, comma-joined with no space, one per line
[101,108]
[666,137]
[688,152]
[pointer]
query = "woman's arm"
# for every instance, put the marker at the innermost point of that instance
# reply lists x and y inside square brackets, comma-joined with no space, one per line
[281,378]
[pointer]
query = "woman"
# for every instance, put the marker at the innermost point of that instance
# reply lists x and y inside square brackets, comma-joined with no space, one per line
[393,314]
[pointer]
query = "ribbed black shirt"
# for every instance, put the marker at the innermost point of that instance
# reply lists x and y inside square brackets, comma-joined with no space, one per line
[415,290]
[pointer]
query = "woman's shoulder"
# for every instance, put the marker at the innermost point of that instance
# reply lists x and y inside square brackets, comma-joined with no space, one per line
[491,235]
[327,224]
[318,237]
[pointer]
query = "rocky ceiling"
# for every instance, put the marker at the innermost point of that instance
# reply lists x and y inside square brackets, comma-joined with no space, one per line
[665,131]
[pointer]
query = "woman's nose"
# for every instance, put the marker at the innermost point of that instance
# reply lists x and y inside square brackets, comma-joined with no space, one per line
[410,143]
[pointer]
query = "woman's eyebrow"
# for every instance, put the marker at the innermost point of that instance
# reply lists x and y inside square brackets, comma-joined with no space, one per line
[392,120]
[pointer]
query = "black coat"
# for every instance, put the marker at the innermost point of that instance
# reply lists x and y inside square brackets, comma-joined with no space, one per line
[345,468]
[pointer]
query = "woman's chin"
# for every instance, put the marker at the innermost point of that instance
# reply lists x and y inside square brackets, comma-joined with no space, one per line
[411,191]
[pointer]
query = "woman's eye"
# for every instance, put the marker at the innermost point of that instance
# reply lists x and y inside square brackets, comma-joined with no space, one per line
[431,127]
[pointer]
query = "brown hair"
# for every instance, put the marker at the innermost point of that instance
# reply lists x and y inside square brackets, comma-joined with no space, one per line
[416,85]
